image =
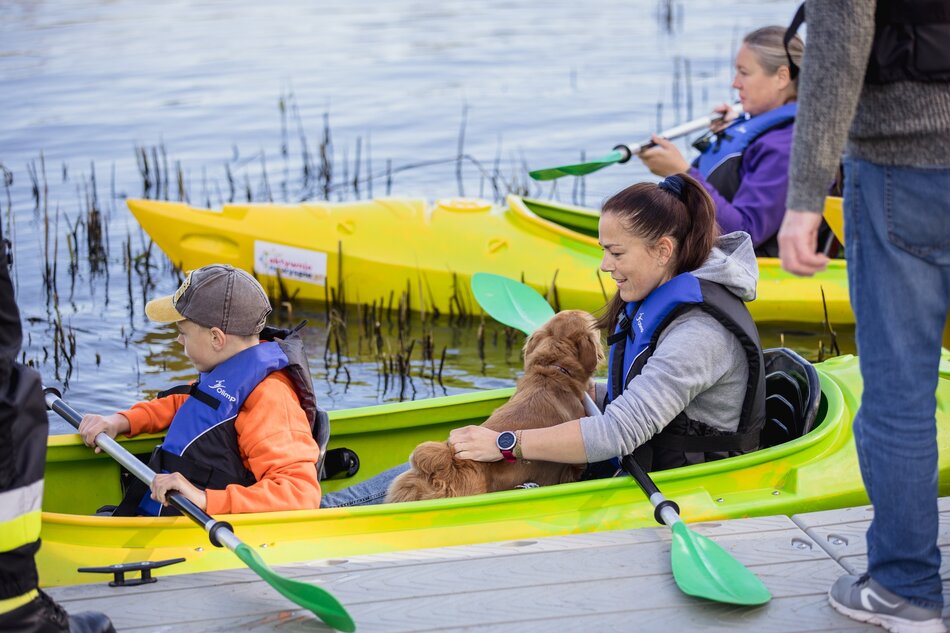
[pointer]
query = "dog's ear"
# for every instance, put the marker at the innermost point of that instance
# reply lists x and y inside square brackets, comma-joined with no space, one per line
[590,351]
[533,341]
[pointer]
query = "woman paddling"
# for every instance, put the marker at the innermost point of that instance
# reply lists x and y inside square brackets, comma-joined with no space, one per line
[744,166]
[687,387]
[686,379]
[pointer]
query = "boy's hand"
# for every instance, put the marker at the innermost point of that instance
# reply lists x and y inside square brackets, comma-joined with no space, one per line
[162,484]
[92,425]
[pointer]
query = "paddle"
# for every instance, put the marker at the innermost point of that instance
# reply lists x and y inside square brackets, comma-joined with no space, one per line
[700,567]
[622,153]
[510,302]
[316,599]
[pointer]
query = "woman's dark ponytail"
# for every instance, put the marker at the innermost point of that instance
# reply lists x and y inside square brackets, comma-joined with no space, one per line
[703,231]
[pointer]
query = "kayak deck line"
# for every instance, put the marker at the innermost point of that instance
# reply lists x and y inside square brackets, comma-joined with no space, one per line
[385,245]
[573,582]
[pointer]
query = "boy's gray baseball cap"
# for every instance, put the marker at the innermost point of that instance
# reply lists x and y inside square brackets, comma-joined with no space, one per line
[219,296]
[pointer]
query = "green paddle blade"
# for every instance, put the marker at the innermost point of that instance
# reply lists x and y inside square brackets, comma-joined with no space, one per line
[705,570]
[511,302]
[580,169]
[308,596]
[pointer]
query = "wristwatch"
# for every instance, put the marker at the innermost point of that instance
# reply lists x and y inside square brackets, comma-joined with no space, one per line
[506,442]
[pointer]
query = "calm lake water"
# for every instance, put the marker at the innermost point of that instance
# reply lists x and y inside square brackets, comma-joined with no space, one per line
[215,93]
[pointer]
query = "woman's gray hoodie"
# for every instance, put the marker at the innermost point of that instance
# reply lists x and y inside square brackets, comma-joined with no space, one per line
[698,366]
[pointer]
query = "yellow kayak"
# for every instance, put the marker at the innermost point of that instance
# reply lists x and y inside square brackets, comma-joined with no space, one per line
[396,250]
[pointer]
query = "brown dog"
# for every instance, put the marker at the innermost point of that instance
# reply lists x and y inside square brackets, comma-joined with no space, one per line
[559,360]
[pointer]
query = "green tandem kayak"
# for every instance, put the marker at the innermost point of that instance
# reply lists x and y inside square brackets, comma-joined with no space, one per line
[815,471]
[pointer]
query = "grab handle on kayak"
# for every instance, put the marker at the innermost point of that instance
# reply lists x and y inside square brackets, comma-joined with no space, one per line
[119,571]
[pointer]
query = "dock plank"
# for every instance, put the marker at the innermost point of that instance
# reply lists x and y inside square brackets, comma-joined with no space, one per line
[607,581]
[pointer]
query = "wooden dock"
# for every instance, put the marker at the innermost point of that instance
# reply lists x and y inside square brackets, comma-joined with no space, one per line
[604,582]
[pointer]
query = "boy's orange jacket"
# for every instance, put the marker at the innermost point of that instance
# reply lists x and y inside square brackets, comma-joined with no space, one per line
[276,445]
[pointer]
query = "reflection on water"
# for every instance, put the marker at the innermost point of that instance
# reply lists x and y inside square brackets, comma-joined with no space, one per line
[250,100]
[477,355]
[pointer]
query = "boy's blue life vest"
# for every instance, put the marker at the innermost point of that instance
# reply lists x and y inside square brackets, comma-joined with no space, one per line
[719,163]
[202,443]
[686,441]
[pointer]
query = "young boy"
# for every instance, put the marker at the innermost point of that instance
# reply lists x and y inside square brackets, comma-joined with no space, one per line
[240,440]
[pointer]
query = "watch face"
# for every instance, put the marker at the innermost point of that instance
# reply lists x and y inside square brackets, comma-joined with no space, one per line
[506,441]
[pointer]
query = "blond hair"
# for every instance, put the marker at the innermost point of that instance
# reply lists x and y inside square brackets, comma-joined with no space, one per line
[769,50]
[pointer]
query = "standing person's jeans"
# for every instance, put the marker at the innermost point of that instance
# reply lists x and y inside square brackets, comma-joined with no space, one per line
[365,493]
[897,236]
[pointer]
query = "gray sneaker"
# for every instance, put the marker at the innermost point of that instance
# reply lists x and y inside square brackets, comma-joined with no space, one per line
[864,600]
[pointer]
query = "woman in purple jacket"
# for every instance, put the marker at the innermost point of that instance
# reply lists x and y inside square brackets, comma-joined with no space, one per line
[744,164]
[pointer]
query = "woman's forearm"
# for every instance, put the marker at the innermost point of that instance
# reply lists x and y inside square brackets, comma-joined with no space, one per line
[563,443]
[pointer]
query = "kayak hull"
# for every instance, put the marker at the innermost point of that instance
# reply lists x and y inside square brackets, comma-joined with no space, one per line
[815,472]
[393,251]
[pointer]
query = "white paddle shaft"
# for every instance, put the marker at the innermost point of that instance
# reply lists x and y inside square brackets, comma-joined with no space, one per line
[684,128]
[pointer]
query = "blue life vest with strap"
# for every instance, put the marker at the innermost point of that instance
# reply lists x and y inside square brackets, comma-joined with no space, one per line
[719,163]
[685,441]
[639,320]
[721,159]
[202,442]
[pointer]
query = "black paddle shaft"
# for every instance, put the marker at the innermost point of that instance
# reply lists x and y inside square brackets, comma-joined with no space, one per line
[137,468]
[646,483]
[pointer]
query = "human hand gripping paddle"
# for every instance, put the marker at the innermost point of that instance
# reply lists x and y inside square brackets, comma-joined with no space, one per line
[701,568]
[316,599]
[622,153]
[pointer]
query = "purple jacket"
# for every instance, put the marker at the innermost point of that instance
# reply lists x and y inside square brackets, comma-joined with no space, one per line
[759,204]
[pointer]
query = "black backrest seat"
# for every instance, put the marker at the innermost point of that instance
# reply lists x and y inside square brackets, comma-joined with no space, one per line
[781,417]
[793,394]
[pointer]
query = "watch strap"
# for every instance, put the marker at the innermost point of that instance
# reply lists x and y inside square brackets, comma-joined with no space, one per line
[517,450]
[508,453]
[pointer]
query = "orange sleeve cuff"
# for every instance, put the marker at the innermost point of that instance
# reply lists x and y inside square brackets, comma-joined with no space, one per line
[219,502]
[153,416]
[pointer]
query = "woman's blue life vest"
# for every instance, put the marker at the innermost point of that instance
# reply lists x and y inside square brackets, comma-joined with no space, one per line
[202,443]
[720,160]
[685,441]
